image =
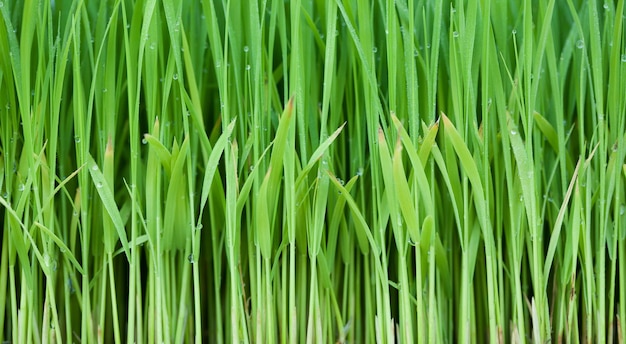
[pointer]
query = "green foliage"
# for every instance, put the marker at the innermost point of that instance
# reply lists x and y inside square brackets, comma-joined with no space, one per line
[312,171]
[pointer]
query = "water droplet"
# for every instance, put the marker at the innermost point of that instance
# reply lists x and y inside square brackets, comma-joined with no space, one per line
[359,172]
[190,258]
[514,32]
[622,209]
[251,168]
[623,57]
[144,141]
[5,195]
[606,6]
[455,34]
[187,113]
[513,132]
[374,50]
[248,67]
[94,167]
[453,10]
[1,4]
[152,46]
[580,44]
[246,49]
[77,139]
[75,213]
[99,185]
[46,260]
[521,198]
[21,187]
[336,33]
[175,76]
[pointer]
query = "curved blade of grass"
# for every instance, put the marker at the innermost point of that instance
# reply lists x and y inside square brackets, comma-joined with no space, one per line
[419,160]
[247,186]
[277,155]
[174,233]
[389,194]
[363,233]
[164,155]
[64,249]
[108,201]
[317,154]
[556,231]
[211,166]
[469,166]
[403,194]
[428,142]
[547,130]
[335,220]
[451,190]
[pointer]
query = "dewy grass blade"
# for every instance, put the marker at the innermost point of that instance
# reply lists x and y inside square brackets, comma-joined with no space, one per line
[104,190]
[212,165]
[437,234]
[363,233]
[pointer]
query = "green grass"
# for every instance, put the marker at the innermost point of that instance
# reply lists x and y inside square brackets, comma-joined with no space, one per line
[313,171]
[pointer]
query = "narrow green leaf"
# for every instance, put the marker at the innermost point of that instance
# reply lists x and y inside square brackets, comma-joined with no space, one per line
[211,166]
[108,201]
[363,233]
[64,249]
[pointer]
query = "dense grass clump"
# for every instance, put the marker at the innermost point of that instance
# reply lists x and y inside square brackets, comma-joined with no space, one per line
[312,171]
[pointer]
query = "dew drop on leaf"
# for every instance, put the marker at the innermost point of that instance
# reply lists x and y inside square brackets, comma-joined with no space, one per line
[580,44]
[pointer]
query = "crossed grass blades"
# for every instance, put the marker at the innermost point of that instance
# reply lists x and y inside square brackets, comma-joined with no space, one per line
[312,171]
